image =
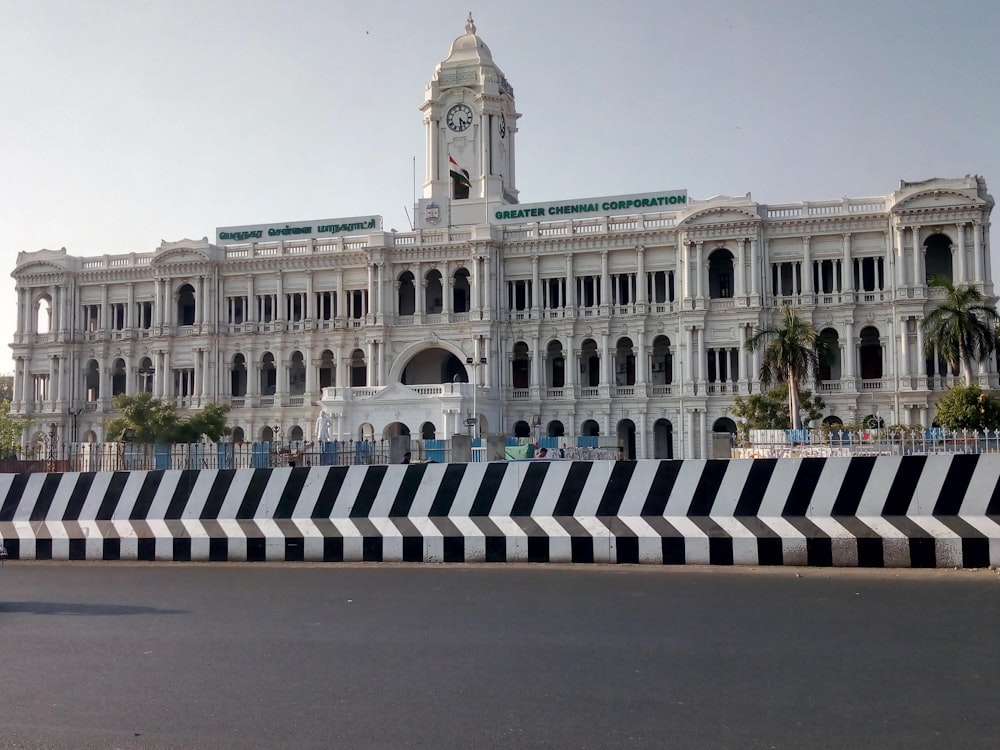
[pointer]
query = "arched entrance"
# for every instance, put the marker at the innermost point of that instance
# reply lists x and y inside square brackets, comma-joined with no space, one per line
[626,440]
[663,439]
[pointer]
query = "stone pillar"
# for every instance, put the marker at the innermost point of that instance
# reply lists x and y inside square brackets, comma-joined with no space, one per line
[702,357]
[977,252]
[703,428]
[642,284]
[851,348]
[754,267]
[848,269]
[960,251]
[918,279]
[446,289]
[641,361]
[700,268]
[605,282]
[807,266]
[606,374]
[536,289]
[739,287]
[905,347]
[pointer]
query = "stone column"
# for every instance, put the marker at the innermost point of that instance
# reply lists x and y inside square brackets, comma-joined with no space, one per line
[606,364]
[702,355]
[807,265]
[962,273]
[754,267]
[977,252]
[703,428]
[605,282]
[851,349]
[641,361]
[310,311]
[446,289]
[700,268]
[536,289]
[848,269]
[904,341]
[738,282]
[918,279]
[642,283]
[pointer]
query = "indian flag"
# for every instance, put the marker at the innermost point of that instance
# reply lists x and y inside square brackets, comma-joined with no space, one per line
[457,173]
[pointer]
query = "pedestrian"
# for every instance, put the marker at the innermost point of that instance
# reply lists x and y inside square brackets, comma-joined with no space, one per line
[406,457]
[542,453]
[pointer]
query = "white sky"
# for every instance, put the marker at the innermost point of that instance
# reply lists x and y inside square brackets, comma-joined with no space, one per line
[125,123]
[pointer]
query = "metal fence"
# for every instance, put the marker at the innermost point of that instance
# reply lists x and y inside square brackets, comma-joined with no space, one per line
[875,442]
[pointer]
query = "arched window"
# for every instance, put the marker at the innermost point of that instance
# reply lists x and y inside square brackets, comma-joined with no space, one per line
[720,274]
[938,259]
[522,429]
[830,369]
[238,376]
[520,375]
[43,315]
[427,431]
[327,370]
[144,376]
[407,295]
[590,364]
[555,429]
[434,299]
[297,375]
[870,354]
[118,377]
[624,362]
[185,305]
[662,362]
[268,375]
[555,365]
[93,381]
[461,292]
[590,428]
[359,369]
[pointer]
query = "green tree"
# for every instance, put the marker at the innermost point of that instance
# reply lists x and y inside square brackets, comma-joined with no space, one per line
[769,410]
[968,408]
[155,421]
[11,429]
[961,327]
[790,352]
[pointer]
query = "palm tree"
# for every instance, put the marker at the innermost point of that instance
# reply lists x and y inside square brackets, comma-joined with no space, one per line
[790,352]
[961,327]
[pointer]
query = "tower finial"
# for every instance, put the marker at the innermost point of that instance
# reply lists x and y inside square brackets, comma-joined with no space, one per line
[470,25]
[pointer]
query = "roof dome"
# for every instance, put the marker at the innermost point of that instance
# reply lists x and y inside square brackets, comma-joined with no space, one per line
[469,47]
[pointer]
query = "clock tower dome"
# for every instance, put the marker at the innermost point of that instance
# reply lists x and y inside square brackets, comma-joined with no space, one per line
[470,121]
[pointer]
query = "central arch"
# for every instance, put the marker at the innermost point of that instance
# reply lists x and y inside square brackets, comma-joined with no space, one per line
[406,356]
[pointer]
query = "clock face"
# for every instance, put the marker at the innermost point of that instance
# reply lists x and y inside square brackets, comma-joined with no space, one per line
[459,118]
[503,126]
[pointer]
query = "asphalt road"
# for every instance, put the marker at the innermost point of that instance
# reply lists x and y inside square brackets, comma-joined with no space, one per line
[114,655]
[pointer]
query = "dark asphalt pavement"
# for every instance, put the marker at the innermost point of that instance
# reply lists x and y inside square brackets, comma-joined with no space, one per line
[115,655]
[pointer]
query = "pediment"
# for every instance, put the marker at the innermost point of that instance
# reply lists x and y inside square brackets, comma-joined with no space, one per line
[718,215]
[180,254]
[936,199]
[38,267]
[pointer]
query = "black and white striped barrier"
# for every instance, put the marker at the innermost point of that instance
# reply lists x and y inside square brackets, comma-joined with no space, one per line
[912,511]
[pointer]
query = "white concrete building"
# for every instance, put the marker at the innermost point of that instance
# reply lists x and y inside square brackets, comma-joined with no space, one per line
[620,316]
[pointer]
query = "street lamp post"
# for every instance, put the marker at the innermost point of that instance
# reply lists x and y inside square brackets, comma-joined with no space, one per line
[475,391]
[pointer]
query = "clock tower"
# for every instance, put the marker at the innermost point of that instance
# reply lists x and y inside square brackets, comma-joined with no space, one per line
[470,121]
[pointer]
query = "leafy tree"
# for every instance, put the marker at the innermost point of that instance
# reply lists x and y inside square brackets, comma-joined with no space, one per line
[968,408]
[790,352]
[11,429]
[962,327]
[769,410]
[155,421]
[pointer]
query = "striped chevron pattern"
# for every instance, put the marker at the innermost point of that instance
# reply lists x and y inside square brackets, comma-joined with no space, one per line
[911,511]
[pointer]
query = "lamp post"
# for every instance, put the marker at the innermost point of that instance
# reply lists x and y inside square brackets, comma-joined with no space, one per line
[471,362]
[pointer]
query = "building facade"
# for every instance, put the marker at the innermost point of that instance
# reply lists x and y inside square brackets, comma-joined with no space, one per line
[622,317]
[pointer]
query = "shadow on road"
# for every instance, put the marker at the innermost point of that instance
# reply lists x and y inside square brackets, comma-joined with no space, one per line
[65,608]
